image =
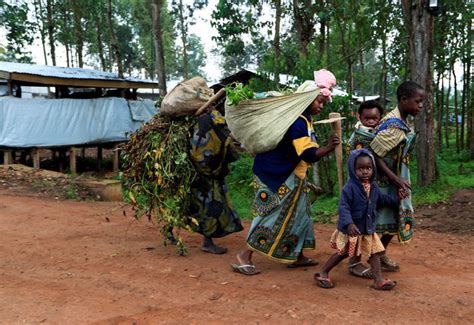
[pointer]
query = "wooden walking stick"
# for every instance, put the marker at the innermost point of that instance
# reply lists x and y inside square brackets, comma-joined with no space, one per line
[211,100]
[336,127]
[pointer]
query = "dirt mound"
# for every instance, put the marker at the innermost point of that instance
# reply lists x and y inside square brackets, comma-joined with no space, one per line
[454,216]
[23,180]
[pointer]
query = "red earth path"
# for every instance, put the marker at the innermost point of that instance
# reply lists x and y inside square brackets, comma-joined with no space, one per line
[69,262]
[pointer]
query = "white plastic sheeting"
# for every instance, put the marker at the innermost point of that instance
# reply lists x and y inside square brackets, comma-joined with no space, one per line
[62,122]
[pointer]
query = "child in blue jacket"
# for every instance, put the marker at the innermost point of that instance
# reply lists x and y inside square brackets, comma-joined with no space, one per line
[355,234]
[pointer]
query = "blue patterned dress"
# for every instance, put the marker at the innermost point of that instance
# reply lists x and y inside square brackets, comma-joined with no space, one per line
[282,226]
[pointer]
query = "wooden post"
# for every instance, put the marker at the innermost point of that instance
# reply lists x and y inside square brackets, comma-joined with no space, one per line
[336,127]
[72,160]
[36,158]
[116,160]
[99,157]
[7,157]
[62,155]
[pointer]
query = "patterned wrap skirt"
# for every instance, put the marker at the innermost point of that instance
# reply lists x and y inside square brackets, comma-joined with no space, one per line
[365,245]
[282,226]
[401,221]
[212,208]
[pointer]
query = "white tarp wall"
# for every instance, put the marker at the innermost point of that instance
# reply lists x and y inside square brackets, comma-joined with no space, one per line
[62,122]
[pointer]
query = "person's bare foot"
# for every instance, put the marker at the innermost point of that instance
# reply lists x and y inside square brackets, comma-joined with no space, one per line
[245,265]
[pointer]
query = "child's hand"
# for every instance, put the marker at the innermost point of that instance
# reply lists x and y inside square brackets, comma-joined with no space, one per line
[403,184]
[352,230]
[402,194]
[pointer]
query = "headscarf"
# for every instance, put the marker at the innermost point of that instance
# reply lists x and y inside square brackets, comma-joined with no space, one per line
[324,80]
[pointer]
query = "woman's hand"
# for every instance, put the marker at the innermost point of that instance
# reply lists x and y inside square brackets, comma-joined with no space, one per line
[334,140]
[352,230]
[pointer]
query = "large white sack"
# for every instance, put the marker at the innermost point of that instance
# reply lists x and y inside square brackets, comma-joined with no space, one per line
[186,98]
[260,124]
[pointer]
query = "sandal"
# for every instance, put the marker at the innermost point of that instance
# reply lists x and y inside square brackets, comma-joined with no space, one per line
[388,265]
[365,273]
[385,285]
[323,282]
[306,262]
[245,269]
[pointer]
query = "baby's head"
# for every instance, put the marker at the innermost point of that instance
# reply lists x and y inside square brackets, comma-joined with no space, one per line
[370,113]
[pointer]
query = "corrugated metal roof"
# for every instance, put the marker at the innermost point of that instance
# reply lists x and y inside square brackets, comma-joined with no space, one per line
[64,72]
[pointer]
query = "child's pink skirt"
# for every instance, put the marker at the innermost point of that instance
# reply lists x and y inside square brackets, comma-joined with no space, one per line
[355,246]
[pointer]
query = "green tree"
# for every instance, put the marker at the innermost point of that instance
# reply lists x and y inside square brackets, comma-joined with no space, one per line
[19,30]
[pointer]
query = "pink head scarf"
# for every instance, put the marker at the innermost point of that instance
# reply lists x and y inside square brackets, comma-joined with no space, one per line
[325,80]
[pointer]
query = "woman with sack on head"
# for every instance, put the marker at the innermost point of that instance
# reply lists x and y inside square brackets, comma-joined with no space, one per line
[282,227]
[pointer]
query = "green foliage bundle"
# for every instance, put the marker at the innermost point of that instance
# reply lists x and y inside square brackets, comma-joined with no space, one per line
[236,91]
[157,174]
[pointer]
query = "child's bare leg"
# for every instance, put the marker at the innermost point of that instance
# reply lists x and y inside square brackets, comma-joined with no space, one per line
[379,282]
[334,260]
[374,261]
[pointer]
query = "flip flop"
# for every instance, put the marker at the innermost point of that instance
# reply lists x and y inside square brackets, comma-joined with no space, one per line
[244,269]
[307,262]
[385,285]
[366,273]
[323,282]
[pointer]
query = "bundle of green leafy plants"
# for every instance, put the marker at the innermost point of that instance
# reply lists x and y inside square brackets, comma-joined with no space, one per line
[236,91]
[157,174]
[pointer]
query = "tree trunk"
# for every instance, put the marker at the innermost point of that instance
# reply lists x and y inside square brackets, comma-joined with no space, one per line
[78,34]
[49,10]
[420,30]
[39,18]
[466,86]
[276,43]
[65,19]
[446,126]
[348,57]
[456,122]
[463,104]
[184,34]
[67,54]
[470,112]
[384,70]
[439,105]
[304,24]
[322,32]
[113,38]
[160,59]
[100,45]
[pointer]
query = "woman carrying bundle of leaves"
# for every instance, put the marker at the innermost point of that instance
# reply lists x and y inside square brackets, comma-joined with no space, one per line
[212,151]
[174,169]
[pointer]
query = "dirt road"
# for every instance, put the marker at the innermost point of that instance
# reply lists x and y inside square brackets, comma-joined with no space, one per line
[68,262]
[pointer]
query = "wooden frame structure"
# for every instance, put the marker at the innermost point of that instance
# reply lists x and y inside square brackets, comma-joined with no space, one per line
[18,75]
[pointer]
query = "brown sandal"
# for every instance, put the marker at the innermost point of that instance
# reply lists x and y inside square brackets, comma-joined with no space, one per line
[388,265]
